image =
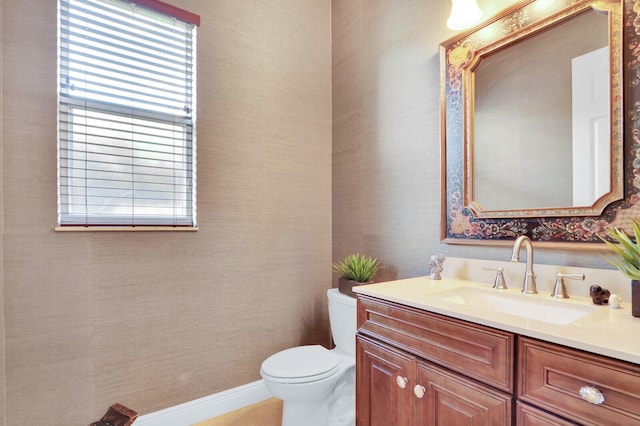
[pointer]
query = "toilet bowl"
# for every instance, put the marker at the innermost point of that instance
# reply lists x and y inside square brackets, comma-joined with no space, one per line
[317,385]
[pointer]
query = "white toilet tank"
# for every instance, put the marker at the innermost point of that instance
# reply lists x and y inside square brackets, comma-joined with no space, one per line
[342,317]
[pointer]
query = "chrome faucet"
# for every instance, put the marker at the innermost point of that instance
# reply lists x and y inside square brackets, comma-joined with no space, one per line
[529,283]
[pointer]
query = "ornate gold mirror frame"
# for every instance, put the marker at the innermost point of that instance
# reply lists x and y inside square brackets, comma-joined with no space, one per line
[579,227]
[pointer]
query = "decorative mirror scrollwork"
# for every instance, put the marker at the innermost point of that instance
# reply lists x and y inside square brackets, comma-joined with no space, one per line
[472,206]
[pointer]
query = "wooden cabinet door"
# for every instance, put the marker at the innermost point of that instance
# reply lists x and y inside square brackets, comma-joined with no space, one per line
[384,381]
[448,399]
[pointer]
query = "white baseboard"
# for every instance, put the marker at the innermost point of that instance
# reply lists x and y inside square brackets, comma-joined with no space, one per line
[207,407]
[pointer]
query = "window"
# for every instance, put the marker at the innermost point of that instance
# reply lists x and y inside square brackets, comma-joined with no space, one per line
[126,114]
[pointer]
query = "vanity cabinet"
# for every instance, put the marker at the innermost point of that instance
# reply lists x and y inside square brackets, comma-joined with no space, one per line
[418,368]
[414,367]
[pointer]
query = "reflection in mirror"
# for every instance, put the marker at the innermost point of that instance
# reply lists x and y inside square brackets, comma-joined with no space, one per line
[541,119]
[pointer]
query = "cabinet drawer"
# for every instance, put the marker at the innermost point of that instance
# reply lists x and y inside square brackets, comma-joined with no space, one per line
[527,415]
[472,350]
[551,377]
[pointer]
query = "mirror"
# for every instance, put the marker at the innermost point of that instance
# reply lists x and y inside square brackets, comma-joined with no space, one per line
[517,157]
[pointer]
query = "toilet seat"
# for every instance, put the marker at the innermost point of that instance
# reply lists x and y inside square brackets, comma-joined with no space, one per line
[301,364]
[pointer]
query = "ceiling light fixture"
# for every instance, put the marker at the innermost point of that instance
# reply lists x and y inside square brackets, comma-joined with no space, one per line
[464,14]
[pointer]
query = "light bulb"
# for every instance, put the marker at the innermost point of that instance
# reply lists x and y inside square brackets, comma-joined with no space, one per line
[464,14]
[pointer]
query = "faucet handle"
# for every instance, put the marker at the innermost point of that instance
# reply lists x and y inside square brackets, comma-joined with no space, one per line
[559,290]
[499,282]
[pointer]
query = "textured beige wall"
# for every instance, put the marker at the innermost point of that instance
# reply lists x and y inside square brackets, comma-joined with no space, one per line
[386,136]
[2,323]
[386,115]
[156,319]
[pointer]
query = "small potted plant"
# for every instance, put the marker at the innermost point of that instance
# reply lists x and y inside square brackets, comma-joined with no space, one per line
[355,270]
[627,260]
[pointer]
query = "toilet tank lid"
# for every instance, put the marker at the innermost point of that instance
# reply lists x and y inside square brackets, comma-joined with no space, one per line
[301,361]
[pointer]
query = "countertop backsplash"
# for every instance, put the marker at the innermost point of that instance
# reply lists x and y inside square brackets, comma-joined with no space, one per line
[471,269]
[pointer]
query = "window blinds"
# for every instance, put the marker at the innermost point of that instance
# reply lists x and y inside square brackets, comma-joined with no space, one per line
[126,145]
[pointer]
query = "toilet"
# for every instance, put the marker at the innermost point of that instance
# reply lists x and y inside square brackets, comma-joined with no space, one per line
[317,385]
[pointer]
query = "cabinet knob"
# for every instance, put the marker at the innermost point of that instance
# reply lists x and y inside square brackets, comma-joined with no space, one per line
[591,395]
[419,391]
[402,382]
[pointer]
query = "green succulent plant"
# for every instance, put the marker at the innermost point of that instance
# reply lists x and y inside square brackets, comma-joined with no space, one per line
[627,252]
[356,267]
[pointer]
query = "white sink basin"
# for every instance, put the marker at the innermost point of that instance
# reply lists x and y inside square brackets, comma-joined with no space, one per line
[534,307]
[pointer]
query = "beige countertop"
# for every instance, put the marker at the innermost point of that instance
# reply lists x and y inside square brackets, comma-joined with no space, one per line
[605,331]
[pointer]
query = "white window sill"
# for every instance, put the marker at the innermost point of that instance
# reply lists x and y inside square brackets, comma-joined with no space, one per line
[139,228]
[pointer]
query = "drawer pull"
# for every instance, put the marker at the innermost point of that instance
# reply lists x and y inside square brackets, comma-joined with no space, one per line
[591,395]
[402,382]
[419,391]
